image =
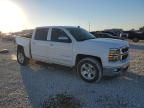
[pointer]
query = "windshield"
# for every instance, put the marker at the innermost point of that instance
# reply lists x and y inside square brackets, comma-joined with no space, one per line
[80,34]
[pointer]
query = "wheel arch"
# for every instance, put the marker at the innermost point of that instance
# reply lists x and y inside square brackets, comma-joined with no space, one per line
[20,47]
[82,56]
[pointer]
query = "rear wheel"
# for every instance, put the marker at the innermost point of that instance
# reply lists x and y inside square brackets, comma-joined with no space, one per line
[90,69]
[21,58]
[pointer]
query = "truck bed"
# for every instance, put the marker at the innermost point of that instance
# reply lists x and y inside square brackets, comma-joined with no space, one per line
[27,35]
[25,42]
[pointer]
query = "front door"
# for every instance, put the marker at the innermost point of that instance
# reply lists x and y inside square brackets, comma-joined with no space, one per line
[61,47]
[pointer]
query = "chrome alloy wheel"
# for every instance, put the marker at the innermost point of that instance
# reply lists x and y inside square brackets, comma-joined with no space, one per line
[21,57]
[88,71]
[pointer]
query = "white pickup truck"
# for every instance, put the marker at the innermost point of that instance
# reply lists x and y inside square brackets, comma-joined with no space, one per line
[75,47]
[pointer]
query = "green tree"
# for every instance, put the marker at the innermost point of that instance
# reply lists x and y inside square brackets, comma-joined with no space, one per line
[141,29]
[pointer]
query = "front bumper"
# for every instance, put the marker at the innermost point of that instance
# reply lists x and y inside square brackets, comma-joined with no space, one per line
[112,71]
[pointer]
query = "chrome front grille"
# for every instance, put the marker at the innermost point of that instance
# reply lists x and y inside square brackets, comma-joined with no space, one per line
[124,53]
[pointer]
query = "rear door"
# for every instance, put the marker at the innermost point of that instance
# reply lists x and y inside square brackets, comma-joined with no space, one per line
[61,47]
[39,45]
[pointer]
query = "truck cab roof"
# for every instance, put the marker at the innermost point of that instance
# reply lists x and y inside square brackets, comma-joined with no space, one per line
[58,27]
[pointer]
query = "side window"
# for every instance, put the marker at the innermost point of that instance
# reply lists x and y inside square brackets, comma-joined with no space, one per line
[41,34]
[59,35]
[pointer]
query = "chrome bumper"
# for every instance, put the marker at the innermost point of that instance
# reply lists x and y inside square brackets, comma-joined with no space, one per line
[112,71]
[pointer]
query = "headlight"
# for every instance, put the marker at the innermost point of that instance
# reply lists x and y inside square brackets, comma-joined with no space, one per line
[114,55]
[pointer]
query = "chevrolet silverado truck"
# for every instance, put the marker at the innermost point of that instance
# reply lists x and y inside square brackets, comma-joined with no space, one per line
[71,46]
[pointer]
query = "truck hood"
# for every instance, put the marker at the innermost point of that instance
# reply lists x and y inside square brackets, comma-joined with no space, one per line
[108,42]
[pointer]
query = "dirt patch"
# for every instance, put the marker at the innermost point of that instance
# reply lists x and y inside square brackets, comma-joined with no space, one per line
[62,101]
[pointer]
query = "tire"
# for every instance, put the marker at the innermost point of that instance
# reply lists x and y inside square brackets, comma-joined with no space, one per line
[135,39]
[90,70]
[21,58]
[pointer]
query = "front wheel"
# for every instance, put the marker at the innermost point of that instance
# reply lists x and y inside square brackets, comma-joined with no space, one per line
[21,58]
[90,69]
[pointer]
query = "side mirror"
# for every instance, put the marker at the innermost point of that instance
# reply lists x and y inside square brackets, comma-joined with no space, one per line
[64,39]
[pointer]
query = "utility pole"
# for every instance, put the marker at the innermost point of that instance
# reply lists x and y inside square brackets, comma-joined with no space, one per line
[89,27]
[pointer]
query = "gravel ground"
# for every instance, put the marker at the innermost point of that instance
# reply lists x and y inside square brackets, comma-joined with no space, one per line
[12,90]
[31,86]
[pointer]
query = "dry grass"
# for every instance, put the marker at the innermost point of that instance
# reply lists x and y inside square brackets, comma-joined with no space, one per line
[137,59]
[12,92]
